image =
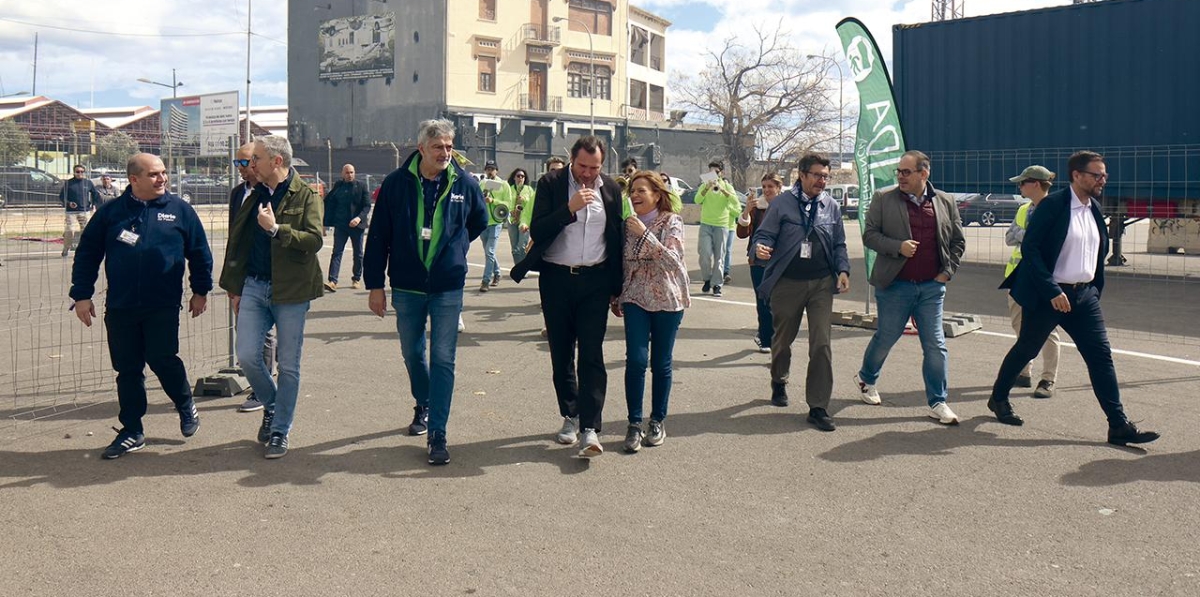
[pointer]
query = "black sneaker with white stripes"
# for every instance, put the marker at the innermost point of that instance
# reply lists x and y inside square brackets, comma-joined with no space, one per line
[264,430]
[277,446]
[189,419]
[126,441]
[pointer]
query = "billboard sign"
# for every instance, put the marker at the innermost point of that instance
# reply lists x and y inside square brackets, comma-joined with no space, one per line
[358,47]
[202,121]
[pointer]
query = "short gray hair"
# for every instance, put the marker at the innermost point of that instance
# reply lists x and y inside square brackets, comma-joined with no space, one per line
[434,129]
[277,146]
[922,159]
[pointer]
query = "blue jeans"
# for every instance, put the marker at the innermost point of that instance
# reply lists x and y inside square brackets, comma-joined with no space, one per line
[491,267]
[518,240]
[340,236]
[711,245]
[921,301]
[645,330]
[432,381]
[256,315]
[729,253]
[766,326]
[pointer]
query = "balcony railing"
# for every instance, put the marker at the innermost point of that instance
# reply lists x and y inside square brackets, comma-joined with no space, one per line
[633,113]
[535,103]
[541,34]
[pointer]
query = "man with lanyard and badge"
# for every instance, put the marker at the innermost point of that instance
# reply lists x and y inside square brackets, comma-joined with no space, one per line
[802,244]
[428,213]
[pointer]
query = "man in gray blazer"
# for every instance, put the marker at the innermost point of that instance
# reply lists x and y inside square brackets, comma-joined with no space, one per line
[917,232]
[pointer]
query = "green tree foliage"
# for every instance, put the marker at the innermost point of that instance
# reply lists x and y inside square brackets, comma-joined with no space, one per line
[15,145]
[115,148]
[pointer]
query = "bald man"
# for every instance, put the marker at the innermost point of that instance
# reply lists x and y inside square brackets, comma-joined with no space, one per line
[347,209]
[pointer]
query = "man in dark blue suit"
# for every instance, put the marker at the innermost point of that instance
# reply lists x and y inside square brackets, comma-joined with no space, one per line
[1058,283]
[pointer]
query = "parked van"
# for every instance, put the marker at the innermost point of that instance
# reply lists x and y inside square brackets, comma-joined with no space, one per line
[846,196]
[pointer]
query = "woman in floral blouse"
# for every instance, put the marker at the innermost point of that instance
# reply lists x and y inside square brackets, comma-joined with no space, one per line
[652,301]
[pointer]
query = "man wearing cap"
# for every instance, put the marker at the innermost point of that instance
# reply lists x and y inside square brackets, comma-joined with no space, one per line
[106,189]
[78,197]
[492,199]
[1034,183]
[1058,283]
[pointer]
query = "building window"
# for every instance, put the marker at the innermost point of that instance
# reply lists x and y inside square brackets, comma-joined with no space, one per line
[487,10]
[487,74]
[579,81]
[596,13]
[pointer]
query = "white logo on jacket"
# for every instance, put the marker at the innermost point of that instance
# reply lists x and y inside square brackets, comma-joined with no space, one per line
[457,198]
[166,217]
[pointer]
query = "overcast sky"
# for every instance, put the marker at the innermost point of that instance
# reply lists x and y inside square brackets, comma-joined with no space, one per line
[93,53]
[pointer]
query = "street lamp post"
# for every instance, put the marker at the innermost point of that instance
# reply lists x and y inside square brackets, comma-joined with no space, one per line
[841,104]
[592,60]
[175,85]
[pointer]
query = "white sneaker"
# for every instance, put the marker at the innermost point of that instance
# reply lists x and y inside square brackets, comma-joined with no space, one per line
[867,391]
[590,444]
[941,411]
[461,325]
[569,433]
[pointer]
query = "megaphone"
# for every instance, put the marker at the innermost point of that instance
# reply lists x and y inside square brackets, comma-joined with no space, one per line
[499,212]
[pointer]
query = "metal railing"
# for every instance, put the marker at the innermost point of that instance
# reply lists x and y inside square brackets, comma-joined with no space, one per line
[546,34]
[535,103]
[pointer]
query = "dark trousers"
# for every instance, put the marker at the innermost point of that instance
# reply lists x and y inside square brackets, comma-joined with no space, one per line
[766,328]
[340,235]
[790,300]
[140,337]
[1085,325]
[575,308]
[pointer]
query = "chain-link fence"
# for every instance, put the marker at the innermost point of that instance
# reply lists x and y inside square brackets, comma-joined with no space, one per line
[53,364]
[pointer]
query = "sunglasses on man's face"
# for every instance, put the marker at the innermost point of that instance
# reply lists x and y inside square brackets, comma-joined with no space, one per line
[242,163]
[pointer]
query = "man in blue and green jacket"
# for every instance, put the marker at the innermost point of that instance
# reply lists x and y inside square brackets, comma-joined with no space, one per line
[428,213]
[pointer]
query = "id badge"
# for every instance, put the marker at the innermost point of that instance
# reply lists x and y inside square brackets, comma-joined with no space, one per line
[426,233]
[806,250]
[127,237]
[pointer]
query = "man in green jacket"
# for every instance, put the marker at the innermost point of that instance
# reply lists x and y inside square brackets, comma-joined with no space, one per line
[717,200]
[272,274]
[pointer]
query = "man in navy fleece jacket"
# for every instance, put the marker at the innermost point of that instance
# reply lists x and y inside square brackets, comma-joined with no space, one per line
[144,237]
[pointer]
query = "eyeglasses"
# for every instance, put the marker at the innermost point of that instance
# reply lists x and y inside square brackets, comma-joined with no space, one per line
[519,176]
[631,170]
[904,172]
[241,163]
[819,175]
[1096,175]
[79,171]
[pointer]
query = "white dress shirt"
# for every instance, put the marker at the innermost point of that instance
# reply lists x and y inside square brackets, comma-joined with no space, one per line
[581,243]
[1077,261]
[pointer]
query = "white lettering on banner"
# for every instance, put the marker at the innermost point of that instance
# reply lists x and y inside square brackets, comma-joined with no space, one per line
[166,217]
[881,110]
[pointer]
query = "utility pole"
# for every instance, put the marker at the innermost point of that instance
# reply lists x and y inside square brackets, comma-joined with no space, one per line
[945,10]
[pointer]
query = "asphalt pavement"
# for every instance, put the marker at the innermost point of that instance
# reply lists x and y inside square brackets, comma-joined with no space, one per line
[743,498]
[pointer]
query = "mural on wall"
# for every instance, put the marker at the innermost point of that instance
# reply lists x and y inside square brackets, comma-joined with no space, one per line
[358,47]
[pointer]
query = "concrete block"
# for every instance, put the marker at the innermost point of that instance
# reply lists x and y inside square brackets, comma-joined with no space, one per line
[960,323]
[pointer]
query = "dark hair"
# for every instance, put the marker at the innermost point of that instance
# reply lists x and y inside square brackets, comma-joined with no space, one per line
[555,160]
[1080,160]
[512,176]
[654,179]
[922,159]
[78,167]
[809,159]
[718,164]
[627,162]
[588,144]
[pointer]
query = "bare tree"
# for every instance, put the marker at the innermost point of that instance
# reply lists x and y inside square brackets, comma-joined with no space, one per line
[769,100]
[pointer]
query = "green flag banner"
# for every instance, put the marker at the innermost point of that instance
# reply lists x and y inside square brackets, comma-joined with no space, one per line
[879,142]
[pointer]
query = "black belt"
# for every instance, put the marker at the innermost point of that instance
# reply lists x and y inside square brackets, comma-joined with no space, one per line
[574,270]
[1074,285]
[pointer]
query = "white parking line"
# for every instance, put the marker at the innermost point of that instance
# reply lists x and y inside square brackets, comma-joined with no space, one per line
[1131,353]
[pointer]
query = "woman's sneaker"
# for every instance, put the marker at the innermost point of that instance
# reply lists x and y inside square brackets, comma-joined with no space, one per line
[126,442]
[656,433]
[633,438]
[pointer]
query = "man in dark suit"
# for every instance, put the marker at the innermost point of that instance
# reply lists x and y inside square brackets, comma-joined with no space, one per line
[347,210]
[1058,284]
[578,238]
[239,194]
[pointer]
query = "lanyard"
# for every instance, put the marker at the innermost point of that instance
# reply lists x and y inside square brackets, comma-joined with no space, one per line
[424,246]
[808,221]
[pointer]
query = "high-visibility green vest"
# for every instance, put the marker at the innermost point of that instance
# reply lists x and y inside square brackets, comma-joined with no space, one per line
[1021,221]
